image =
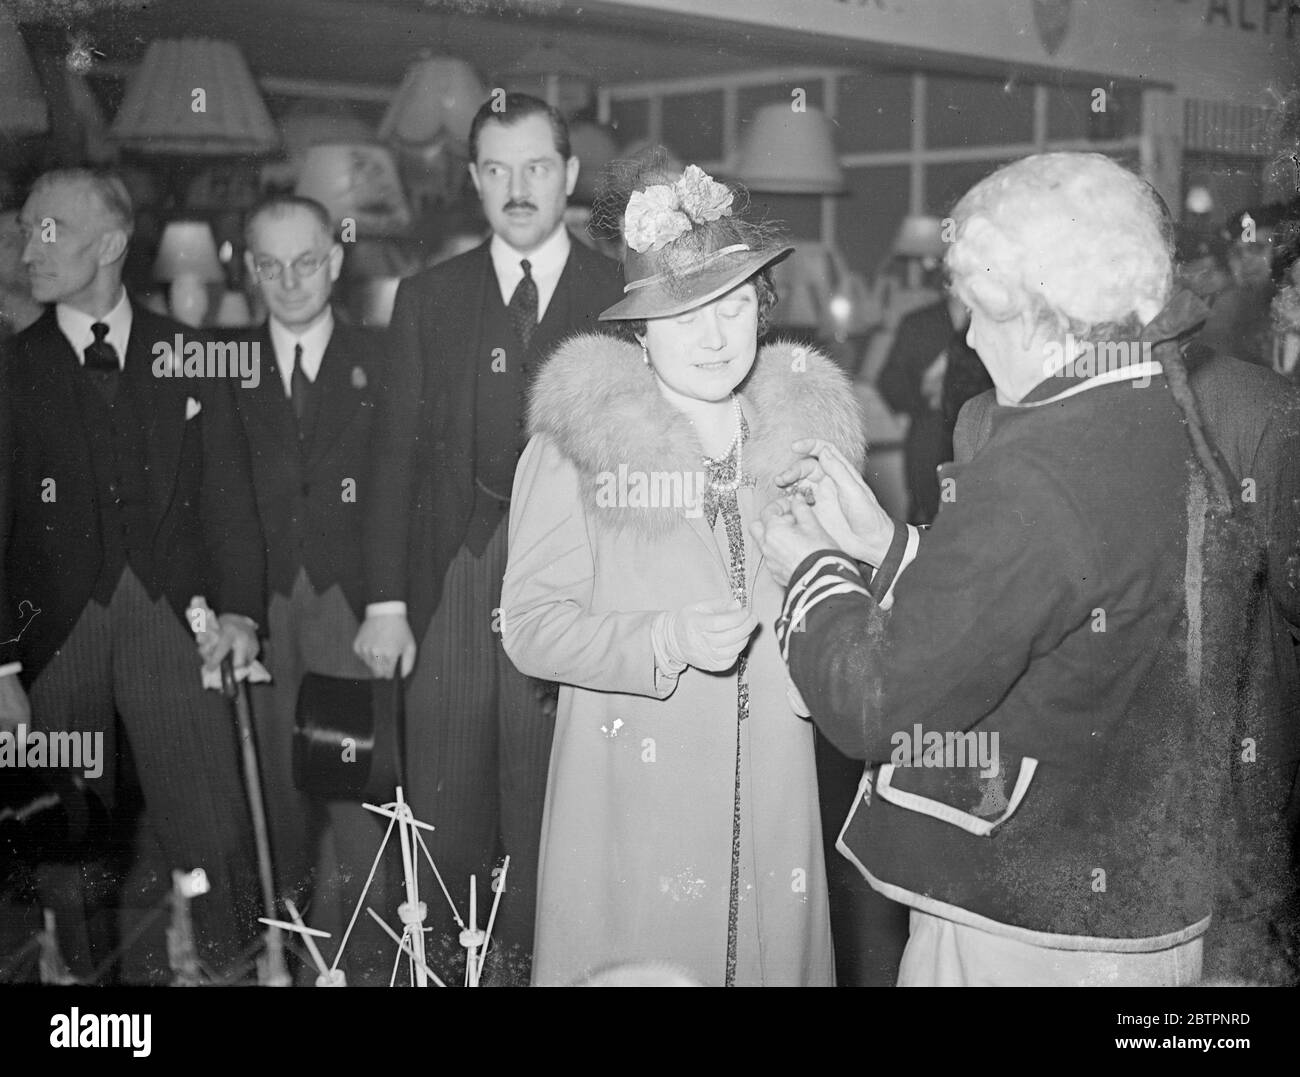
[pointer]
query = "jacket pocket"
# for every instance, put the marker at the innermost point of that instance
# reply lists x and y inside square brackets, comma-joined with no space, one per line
[937,809]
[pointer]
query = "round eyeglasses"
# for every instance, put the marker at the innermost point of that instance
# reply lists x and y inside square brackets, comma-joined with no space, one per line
[305,265]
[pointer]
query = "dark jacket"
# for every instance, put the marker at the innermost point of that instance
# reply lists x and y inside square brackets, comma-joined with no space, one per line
[1253,417]
[206,538]
[1052,605]
[422,458]
[312,493]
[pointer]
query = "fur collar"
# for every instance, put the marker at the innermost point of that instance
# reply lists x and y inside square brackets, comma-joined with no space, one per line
[598,401]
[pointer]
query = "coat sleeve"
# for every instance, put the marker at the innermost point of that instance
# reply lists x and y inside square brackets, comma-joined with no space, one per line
[8,615]
[988,590]
[547,624]
[228,507]
[393,449]
[1277,464]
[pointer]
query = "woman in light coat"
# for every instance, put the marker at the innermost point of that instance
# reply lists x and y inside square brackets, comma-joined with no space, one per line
[681,821]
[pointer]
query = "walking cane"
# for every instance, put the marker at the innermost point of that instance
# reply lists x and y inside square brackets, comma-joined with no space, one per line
[271,973]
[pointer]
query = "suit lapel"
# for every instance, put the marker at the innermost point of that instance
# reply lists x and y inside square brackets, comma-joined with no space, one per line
[162,401]
[338,399]
[555,324]
[55,384]
[468,353]
[268,420]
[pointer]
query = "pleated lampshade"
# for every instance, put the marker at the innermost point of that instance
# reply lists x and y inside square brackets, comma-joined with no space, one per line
[23,110]
[788,152]
[439,93]
[188,248]
[194,96]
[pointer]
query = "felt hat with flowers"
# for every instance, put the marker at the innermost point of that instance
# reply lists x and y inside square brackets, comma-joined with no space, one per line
[686,244]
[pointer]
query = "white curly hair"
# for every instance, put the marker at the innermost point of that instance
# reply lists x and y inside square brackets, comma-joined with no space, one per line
[1074,238]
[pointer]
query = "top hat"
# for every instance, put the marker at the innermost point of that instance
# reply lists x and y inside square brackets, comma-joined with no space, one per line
[685,248]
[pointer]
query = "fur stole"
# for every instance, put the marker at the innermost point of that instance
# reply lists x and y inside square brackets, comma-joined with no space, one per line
[598,401]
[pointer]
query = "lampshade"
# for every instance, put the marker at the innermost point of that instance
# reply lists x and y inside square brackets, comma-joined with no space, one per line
[358,182]
[788,152]
[439,93]
[188,247]
[23,110]
[194,96]
[818,290]
[920,237]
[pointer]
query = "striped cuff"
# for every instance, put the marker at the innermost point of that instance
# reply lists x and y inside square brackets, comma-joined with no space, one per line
[820,576]
[902,552]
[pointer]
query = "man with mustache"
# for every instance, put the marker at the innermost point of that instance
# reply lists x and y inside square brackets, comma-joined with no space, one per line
[465,339]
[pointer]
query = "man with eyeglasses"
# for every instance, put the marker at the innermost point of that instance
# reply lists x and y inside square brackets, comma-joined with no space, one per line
[122,496]
[308,427]
[466,337]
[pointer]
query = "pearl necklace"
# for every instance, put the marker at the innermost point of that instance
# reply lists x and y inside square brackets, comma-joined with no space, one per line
[738,444]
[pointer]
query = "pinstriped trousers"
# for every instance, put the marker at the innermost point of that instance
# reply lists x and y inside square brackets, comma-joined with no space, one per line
[478,749]
[135,658]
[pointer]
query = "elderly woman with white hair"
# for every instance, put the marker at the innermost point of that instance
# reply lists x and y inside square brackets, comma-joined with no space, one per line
[1043,764]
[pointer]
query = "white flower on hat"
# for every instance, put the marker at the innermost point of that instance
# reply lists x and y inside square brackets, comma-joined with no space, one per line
[663,212]
[653,219]
[702,197]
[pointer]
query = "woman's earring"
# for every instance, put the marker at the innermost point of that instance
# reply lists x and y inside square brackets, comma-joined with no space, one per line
[645,352]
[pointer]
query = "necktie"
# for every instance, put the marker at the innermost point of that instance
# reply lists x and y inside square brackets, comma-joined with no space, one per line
[523,305]
[100,355]
[101,362]
[299,386]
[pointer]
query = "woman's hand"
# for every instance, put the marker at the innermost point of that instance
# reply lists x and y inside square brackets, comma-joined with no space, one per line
[710,635]
[842,502]
[787,532]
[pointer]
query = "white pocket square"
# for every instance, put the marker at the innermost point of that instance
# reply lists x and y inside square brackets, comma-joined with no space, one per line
[192,408]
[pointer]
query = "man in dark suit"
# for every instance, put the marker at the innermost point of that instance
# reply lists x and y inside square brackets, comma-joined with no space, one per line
[928,369]
[308,423]
[124,494]
[466,337]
